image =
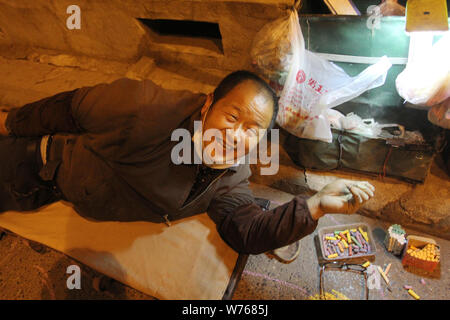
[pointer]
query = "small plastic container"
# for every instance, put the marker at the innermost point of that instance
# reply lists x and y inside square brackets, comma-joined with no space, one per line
[356,258]
[419,243]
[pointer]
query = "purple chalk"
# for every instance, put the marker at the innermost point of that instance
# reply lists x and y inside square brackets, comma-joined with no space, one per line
[359,238]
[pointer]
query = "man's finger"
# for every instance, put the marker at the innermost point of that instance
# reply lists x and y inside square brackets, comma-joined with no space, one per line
[366,189]
[359,193]
[356,195]
[370,186]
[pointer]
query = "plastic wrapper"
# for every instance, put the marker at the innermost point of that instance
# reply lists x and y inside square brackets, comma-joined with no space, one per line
[426,78]
[314,85]
[272,49]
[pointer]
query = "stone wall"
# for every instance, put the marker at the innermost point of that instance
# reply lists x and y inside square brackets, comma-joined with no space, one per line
[111,29]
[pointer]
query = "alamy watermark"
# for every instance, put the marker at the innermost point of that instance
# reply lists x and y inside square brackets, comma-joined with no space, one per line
[374,20]
[74,20]
[231,147]
[74,280]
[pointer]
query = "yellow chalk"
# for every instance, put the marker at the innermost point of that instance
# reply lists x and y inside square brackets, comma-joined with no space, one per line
[345,243]
[330,238]
[331,256]
[387,269]
[366,264]
[364,234]
[383,275]
[348,237]
[340,247]
[353,230]
[412,293]
[339,295]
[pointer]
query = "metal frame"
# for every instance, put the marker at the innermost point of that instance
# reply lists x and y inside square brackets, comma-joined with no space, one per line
[356,268]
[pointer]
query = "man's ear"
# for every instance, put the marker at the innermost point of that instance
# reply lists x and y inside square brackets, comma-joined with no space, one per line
[208,102]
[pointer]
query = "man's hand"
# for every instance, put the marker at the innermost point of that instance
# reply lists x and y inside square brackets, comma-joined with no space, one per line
[3,116]
[340,196]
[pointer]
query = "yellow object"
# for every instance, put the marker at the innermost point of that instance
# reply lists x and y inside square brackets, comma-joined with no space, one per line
[330,238]
[430,15]
[365,236]
[428,253]
[412,293]
[349,239]
[345,243]
[366,264]
[387,268]
[383,275]
[353,230]
[340,295]
[340,247]
[331,256]
[329,296]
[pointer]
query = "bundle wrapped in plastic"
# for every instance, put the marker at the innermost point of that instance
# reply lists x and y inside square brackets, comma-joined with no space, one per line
[272,50]
[426,78]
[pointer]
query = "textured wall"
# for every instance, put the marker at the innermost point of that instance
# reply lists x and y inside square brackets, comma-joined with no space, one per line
[110,30]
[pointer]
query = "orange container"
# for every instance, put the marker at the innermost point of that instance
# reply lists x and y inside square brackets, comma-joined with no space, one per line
[419,243]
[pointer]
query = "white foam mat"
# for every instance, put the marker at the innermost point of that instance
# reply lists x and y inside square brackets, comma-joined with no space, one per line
[187,260]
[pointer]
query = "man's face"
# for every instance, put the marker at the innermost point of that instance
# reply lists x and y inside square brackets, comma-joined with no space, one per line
[242,112]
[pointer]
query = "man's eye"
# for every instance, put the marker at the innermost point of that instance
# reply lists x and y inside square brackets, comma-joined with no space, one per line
[231,118]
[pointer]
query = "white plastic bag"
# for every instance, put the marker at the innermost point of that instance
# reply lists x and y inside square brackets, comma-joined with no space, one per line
[426,78]
[314,85]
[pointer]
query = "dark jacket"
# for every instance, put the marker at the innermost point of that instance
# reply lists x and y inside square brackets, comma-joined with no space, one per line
[116,163]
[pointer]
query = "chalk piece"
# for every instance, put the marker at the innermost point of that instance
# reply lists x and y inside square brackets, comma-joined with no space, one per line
[387,269]
[413,294]
[383,275]
[407,287]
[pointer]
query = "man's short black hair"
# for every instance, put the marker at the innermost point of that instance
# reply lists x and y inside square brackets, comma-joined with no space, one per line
[235,78]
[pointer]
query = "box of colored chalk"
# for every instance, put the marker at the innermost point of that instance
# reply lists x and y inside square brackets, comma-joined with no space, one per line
[352,243]
[421,252]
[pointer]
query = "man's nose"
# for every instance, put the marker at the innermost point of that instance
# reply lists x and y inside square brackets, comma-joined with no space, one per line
[237,135]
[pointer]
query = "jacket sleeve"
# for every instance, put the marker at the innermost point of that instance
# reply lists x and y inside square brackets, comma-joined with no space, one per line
[116,118]
[97,109]
[248,229]
[46,116]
